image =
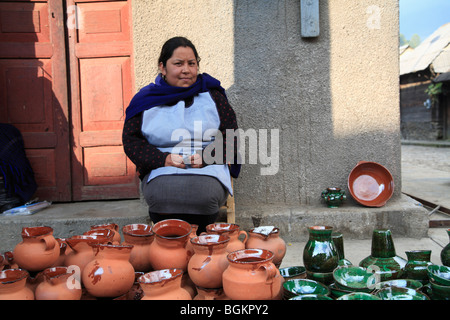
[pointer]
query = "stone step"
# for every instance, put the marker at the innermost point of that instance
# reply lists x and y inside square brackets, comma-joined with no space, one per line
[405,217]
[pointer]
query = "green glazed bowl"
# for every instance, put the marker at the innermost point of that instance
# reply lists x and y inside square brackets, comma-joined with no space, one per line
[297,287]
[402,283]
[396,293]
[354,278]
[439,292]
[297,272]
[337,292]
[439,274]
[311,297]
[359,296]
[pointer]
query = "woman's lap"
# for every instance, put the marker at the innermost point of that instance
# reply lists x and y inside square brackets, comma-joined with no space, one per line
[184,194]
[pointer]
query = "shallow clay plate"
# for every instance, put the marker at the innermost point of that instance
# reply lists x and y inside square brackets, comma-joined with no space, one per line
[370,184]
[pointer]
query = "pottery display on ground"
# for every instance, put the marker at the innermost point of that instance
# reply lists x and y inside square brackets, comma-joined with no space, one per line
[383,259]
[140,236]
[171,238]
[13,285]
[58,284]
[333,197]
[319,254]
[209,261]
[267,237]
[445,253]
[110,274]
[38,249]
[251,275]
[163,285]
[416,265]
[238,237]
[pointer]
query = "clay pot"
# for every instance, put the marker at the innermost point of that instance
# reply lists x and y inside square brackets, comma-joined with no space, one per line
[110,274]
[251,275]
[8,262]
[58,284]
[163,285]
[192,235]
[210,294]
[270,241]
[38,249]
[169,249]
[81,251]
[233,231]
[13,285]
[140,236]
[209,261]
[117,239]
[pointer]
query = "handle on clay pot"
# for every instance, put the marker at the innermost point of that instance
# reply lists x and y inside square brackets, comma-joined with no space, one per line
[271,271]
[50,243]
[245,236]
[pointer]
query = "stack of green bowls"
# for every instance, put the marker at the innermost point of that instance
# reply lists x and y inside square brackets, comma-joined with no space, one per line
[439,276]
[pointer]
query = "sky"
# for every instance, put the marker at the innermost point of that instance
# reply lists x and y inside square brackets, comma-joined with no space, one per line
[423,17]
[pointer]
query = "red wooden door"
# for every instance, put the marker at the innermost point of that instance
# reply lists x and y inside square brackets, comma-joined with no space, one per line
[73,143]
[100,52]
[33,85]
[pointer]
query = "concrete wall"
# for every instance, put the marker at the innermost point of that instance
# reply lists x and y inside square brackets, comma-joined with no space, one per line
[334,99]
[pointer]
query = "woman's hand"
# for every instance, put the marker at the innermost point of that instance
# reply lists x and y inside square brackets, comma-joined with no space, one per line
[196,161]
[175,160]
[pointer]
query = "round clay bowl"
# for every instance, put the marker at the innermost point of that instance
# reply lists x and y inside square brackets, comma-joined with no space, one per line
[370,184]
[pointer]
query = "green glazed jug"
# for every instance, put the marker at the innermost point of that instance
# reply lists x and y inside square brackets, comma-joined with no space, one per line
[320,256]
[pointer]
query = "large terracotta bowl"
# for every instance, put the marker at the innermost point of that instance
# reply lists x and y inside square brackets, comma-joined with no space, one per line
[370,184]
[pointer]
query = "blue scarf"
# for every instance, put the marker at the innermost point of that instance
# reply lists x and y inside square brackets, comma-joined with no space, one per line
[161,93]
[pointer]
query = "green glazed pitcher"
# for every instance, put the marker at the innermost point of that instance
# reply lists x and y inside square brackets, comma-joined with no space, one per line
[320,256]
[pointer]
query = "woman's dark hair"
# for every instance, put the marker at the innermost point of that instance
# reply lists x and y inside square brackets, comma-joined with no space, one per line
[169,47]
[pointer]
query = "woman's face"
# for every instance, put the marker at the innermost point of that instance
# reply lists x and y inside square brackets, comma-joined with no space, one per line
[181,69]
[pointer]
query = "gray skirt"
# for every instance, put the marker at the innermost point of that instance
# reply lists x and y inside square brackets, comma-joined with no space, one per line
[184,194]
